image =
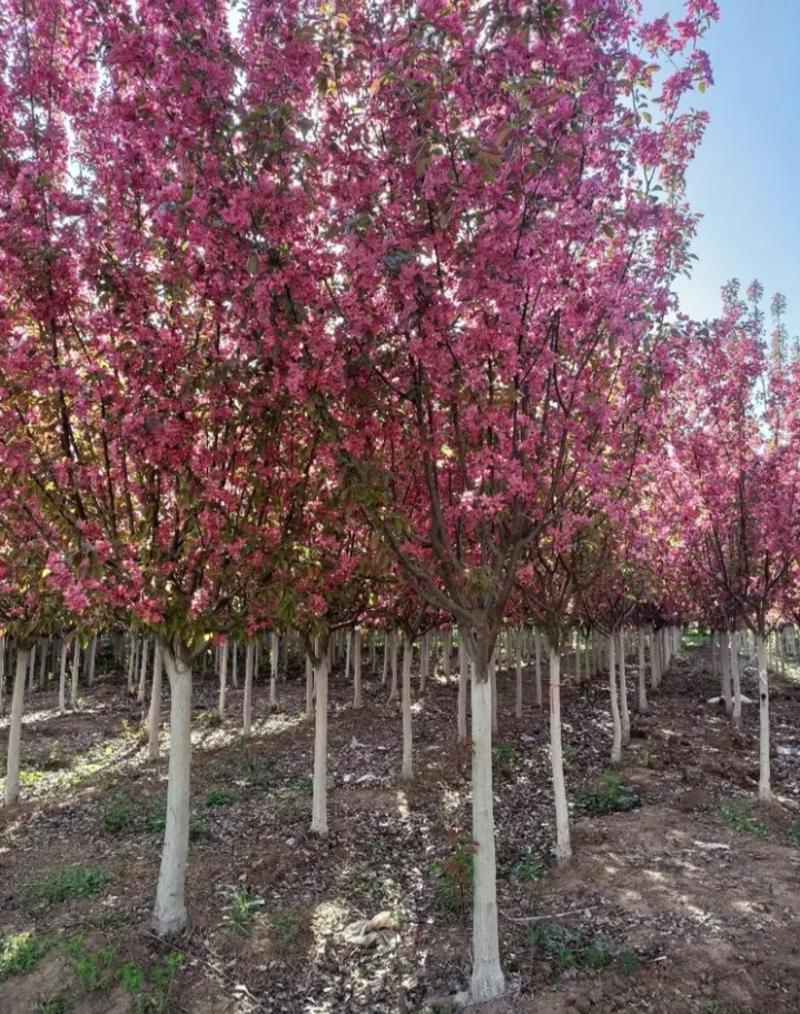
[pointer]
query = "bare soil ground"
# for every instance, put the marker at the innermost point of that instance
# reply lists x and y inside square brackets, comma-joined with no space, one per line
[688,902]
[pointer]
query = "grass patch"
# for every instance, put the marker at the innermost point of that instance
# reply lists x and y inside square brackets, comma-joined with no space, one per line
[58,1004]
[607,794]
[504,760]
[568,948]
[22,953]
[243,909]
[149,992]
[92,970]
[77,881]
[453,876]
[530,867]
[118,814]
[737,817]
[156,819]
[220,797]
[286,797]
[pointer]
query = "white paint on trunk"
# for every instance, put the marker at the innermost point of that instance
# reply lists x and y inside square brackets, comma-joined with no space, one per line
[357,695]
[274,650]
[725,670]
[154,715]
[563,845]
[319,802]
[487,981]
[642,706]
[223,678]
[15,724]
[518,703]
[62,675]
[625,717]
[143,670]
[90,666]
[76,659]
[463,675]
[764,789]
[616,744]
[170,915]
[309,686]
[247,704]
[394,644]
[407,769]
[737,681]
[538,669]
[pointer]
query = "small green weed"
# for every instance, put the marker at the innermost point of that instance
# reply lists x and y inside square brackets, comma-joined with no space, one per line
[286,928]
[91,970]
[598,954]
[556,941]
[77,881]
[220,797]
[243,909]
[736,816]
[156,819]
[150,994]
[21,953]
[571,948]
[286,797]
[793,835]
[504,759]
[118,814]
[627,962]
[607,794]
[453,875]
[260,775]
[209,719]
[531,866]
[58,1004]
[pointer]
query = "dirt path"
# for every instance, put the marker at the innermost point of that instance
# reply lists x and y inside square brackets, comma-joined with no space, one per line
[687,903]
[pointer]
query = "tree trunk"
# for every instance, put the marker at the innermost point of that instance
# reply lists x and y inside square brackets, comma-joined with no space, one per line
[625,717]
[357,697]
[62,675]
[463,662]
[319,803]
[223,678]
[538,670]
[154,716]
[446,645]
[424,659]
[518,706]
[642,705]
[3,673]
[44,645]
[393,661]
[563,846]
[493,685]
[274,651]
[725,670]
[90,665]
[32,668]
[387,636]
[247,706]
[76,658]
[616,745]
[143,670]
[487,976]
[764,790]
[407,770]
[737,682]
[349,639]
[169,915]
[15,724]
[235,666]
[309,687]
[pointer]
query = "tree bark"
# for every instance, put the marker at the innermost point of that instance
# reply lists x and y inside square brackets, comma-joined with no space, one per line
[487,981]
[642,705]
[463,674]
[625,717]
[169,915]
[357,696]
[62,675]
[319,803]
[223,678]
[76,658]
[616,744]
[764,789]
[154,715]
[563,845]
[725,670]
[737,682]
[15,724]
[407,769]
[247,706]
[538,669]
[518,705]
[274,651]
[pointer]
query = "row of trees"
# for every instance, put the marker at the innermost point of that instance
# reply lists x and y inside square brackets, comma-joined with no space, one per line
[312,317]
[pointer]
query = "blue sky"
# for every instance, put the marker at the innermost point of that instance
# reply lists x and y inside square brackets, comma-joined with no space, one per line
[745,179]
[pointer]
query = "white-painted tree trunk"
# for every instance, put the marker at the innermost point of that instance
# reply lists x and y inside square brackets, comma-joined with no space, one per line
[76,658]
[247,704]
[394,646]
[154,715]
[169,915]
[62,675]
[145,658]
[424,660]
[349,641]
[563,845]
[487,981]
[274,651]
[642,705]
[44,645]
[407,769]
[518,701]
[764,789]
[309,687]
[725,670]
[387,637]
[357,692]
[493,685]
[223,678]
[736,678]
[651,647]
[463,674]
[446,646]
[32,669]
[15,724]
[538,669]
[2,674]
[319,802]
[616,724]
[624,713]
[90,664]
